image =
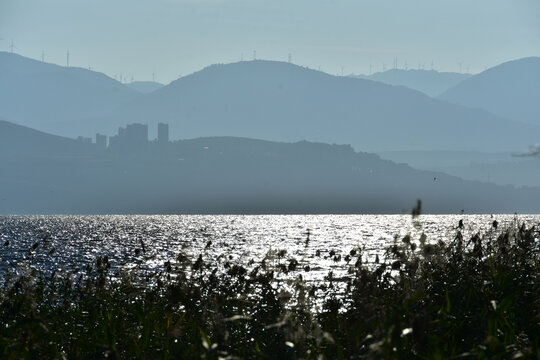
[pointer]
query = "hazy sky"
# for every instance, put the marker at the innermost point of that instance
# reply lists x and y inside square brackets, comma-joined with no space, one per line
[177,37]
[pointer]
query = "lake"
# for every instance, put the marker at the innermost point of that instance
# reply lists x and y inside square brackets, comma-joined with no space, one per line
[70,243]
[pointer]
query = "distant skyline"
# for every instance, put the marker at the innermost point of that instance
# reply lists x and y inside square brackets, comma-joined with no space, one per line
[164,39]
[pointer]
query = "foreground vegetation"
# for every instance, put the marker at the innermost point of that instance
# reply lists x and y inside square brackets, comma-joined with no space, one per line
[465,298]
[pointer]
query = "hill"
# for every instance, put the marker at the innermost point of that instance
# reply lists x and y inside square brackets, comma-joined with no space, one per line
[145,87]
[284,102]
[234,175]
[20,141]
[430,82]
[511,90]
[49,97]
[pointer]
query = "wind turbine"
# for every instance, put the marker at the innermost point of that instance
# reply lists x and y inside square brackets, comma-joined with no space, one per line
[67,58]
[12,46]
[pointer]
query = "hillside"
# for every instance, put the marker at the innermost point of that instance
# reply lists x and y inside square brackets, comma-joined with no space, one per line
[430,82]
[234,175]
[284,102]
[20,141]
[510,90]
[51,98]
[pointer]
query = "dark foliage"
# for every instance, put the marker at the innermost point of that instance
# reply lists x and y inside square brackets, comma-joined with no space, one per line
[465,298]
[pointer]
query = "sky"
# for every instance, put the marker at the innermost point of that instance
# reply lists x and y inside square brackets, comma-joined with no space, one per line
[166,39]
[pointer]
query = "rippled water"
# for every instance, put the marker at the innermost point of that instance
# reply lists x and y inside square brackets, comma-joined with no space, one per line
[64,243]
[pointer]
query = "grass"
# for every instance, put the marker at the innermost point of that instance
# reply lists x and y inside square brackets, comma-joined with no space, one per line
[464,298]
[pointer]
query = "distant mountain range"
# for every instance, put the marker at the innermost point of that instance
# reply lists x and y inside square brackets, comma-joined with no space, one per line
[257,99]
[280,101]
[430,82]
[19,141]
[145,87]
[54,98]
[510,90]
[228,175]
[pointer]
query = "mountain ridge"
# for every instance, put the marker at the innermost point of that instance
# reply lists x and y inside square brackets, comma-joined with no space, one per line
[510,90]
[18,140]
[221,175]
[51,97]
[284,102]
[260,99]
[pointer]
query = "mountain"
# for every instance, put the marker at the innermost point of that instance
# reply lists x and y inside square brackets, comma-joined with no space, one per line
[51,98]
[430,82]
[20,141]
[232,175]
[510,90]
[145,87]
[284,102]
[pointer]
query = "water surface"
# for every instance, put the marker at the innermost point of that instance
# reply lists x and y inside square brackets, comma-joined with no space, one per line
[67,243]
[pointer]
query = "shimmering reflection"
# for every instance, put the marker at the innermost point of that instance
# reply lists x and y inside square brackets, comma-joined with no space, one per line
[67,243]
